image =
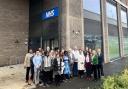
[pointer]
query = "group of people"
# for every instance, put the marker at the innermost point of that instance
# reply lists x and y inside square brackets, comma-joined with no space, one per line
[49,66]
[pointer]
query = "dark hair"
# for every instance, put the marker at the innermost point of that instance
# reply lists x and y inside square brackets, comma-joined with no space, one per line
[65,52]
[56,48]
[45,53]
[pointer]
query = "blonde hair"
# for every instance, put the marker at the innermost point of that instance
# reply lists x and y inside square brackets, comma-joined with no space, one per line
[94,52]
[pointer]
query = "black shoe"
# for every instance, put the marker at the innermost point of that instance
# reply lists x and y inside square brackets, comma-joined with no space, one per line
[29,84]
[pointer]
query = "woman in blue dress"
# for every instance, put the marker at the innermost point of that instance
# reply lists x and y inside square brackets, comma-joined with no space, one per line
[67,71]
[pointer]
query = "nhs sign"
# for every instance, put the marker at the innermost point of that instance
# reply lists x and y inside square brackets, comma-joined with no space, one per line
[50,13]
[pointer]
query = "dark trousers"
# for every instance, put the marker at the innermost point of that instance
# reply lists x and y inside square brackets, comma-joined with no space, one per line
[27,73]
[32,73]
[51,76]
[62,77]
[67,76]
[95,71]
[81,73]
[100,70]
[57,79]
[88,71]
[75,69]
[71,68]
[45,77]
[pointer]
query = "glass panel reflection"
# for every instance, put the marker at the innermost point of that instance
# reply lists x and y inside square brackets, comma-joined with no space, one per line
[113,35]
[125,30]
[92,24]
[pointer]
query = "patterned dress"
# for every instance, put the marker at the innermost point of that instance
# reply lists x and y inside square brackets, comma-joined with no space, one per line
[66,64]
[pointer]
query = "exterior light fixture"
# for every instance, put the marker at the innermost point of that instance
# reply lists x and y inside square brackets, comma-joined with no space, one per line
[76,32]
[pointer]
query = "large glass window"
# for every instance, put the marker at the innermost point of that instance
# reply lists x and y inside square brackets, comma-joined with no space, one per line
[92,24]
[92,5]
[113,35]
[125,30]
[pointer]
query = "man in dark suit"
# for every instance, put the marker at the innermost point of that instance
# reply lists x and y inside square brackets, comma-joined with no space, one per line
[100,63]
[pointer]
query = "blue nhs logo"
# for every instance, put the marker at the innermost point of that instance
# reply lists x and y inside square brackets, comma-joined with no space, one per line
[50,13]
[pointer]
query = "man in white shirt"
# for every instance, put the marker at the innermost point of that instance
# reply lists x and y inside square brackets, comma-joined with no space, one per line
[37,61]
[75,54]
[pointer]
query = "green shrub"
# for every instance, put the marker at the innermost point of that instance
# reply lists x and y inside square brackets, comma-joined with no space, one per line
[119,81]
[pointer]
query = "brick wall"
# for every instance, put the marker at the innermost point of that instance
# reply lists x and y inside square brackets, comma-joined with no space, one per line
[13,30]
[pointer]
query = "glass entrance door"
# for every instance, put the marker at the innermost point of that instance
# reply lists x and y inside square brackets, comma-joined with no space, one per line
[52,43]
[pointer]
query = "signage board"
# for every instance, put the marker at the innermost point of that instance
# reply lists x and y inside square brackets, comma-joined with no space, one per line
[50,13]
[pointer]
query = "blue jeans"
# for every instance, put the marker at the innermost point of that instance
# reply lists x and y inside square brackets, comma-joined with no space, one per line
[75,69]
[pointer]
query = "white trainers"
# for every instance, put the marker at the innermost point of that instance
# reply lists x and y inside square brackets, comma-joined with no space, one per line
[41,84]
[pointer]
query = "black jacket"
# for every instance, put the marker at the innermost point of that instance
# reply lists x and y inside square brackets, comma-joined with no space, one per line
[100,59]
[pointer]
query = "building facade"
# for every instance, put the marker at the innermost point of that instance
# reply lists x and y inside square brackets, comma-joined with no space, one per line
[14,25]
[32,24]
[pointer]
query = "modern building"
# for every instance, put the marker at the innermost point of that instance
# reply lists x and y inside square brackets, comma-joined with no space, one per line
[32,24]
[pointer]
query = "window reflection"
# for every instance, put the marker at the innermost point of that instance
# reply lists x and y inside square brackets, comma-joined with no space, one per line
[123,17]
[125,30]
[92,5]
[111,11]
[92,24]
[113,35]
